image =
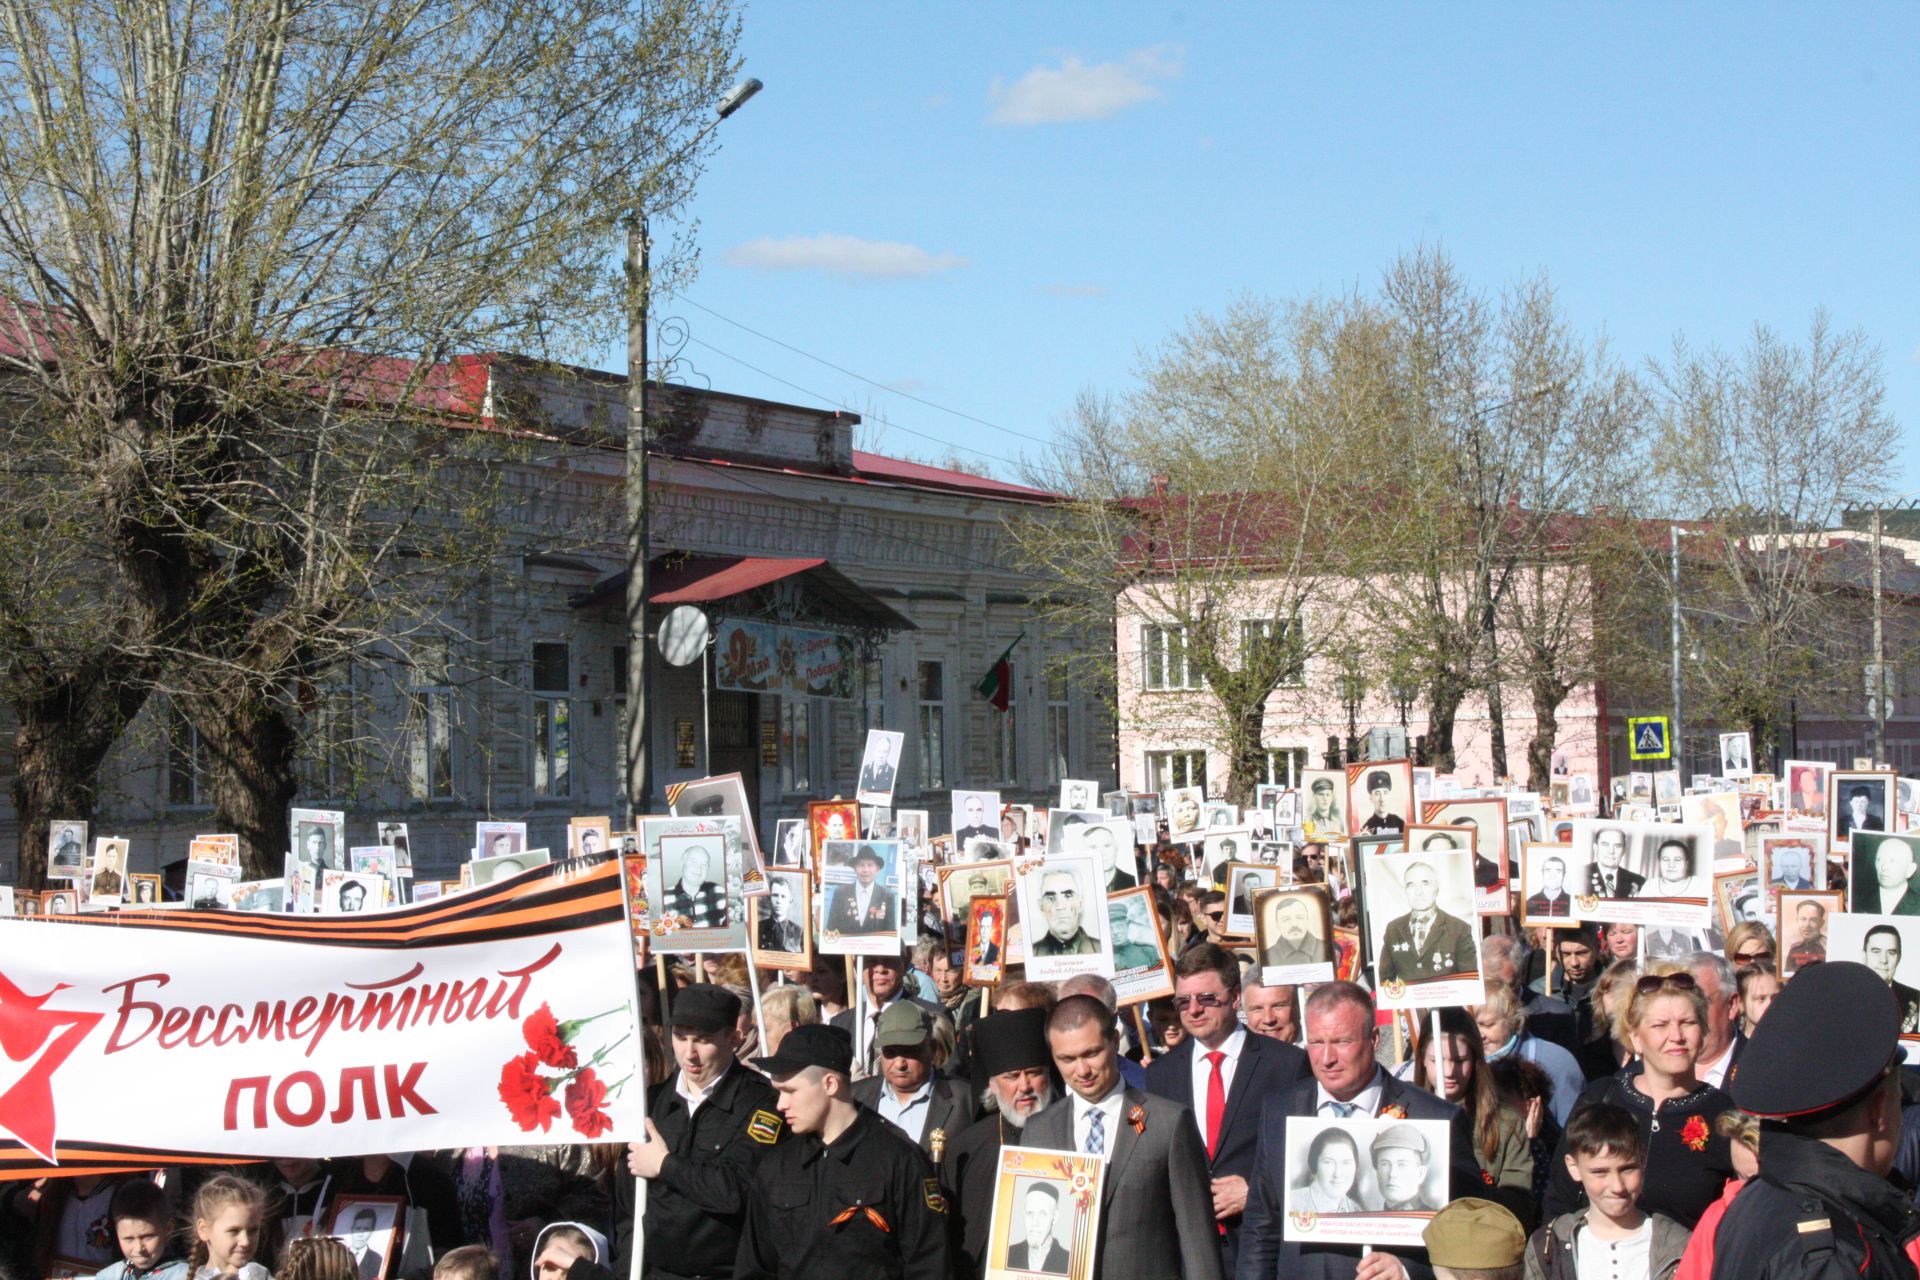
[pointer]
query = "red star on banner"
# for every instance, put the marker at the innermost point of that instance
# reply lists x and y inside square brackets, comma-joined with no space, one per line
[42,1038]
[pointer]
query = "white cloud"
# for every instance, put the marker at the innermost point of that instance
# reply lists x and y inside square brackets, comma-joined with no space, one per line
[1077,91]
[842,256]
[1073,290]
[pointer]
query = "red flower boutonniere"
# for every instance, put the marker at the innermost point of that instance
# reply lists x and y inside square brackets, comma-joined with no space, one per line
[1394,1112]
[1486,1177]
[1695,1133]
[1138,1119]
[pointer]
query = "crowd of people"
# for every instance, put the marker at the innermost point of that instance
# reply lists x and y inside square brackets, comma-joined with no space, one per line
[1607,1115]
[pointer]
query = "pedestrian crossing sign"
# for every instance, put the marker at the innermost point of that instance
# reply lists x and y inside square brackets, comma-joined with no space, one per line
[1648,738]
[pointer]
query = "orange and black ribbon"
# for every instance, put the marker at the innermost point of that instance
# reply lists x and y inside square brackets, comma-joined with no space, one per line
[873,1215]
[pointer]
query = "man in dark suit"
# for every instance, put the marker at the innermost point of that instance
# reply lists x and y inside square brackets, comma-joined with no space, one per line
[1606,878]
[1859,814]
[1039,1249]
[1425,943]
[1553,900]
[1222,1075]
[876,777]
[908,1093]
[1347,1081]
[865,906]
[1156,1218]
[1881,952]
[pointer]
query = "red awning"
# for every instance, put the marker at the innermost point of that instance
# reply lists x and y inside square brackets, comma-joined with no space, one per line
[703,579]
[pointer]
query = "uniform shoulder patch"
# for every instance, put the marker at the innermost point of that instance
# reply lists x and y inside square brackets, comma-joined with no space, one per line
[764,1127]
[936,1201]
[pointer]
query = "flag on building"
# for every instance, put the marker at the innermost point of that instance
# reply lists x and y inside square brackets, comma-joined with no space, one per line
[997,685]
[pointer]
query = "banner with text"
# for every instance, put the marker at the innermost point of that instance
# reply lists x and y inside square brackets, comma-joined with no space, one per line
[500,1016]
[763,657]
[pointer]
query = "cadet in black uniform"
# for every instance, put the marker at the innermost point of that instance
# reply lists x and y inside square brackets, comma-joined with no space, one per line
[709,1126]
[1823,1073]
[848,1197]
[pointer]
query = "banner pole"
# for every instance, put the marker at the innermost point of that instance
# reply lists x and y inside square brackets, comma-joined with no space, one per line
[759,1021]
[1146,1041]
[860,1019]
[660,976]
[640,1078]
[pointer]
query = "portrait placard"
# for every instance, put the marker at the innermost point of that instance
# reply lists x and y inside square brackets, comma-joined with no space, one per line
[505,867]
[498,839]
[986,941]
[1804,914]
[1142,969]
[1066,828]
[1736,755]
[59,902]
[1425,935]
[1491,870]
[587,837]
[1324,795]
[1215,814]
[343,893]
[1066,925]
[1245,882]
[1738,896]
[1548,874]
[210,884]
[319,837]
[879,765]
[1079,794]
[791,848]
[394,836]
[981,849]
[1720,811]
[1293,936]
[1286,811]
[1363,1179]
[376,858]
[961,883]
[860,911]
[269,897]
[1109,842]
[1858,800]
[371,1228]
[66,849]
[106,879]
[696,903]
[1046,1215]
[1117,804]
[1233,844]
[1890,946]
[724,795]
[1787,862]
[781,938]
[911,826]
[1881,874]
[1645,873]
[832,820]
[427,891]
[1806,786]
[146,890]
[976,814]
[1379,797]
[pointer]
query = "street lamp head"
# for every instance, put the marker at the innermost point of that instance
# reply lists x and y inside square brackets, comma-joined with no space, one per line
[737,96]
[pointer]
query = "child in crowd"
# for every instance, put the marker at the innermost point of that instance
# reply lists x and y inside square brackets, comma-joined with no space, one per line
[318,1258]
[468,1262]
[1610,1236]
[142,1227]
[570,1251]
[228,1215]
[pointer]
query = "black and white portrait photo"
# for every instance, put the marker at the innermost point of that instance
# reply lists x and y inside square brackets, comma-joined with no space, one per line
[506,866]
[588,837]
[910,825]
[1659,874]
[318,838]
[1037,1245]
[342,893]
[1184,816]
[367,1226]
[1857,801]
[1110,844]
[1065,920]
[1736,756]
[1421,922]
[1548,876]
[879,766]
[1881,874]
[1888,945]
[1487,820]
[1046,1215]
[790,843]
[66,850]
[1380,797]
[210,884]
[107,871]
[394,836]
[976,815]
[1218,849]
[498,839]
[1245,882]
[1678,866]
[1076,793]
[1066,827]
[1790,863]
[1293,936]
[694,881]
[781,937]
[1362,1179]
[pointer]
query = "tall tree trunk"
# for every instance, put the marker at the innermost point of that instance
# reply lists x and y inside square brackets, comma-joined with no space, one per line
[1496,696]
[65,732]
[1444,696]
[1547,697]
[1246,753]
[251,744]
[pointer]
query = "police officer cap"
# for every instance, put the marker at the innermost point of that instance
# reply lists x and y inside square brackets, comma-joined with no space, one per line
[1323,784]
[867,853]
[1403,1136]
[904,1025]
[813,1045]
[1012,1040]
[1474,1235]
[705,1008]
[1379,780]
[1824,1043]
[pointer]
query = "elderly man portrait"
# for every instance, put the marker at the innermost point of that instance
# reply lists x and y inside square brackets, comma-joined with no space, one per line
[1808,944]
[1062,908]
[696,896]
[1891,892]
[1606,878]
[1880,951]
[1426,942]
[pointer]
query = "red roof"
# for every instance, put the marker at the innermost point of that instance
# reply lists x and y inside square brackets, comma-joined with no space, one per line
[874,466]
[701,579]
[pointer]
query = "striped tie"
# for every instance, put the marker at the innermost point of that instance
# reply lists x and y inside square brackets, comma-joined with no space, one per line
[1096,1132]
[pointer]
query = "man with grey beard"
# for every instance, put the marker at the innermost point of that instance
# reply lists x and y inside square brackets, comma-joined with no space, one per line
[1010,1054]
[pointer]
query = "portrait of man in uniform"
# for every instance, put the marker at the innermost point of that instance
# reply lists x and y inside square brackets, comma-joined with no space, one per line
[866,906]
[1400,1157]
[1606,877]
[1377,803]
[1803,927]
[1425,943]
[1062,912]
[879,764]
[780,927]
[1324,817]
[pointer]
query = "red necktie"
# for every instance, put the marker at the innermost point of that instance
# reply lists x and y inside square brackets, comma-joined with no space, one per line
[1216,1101]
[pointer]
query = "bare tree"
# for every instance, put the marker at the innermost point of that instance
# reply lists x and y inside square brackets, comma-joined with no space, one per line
[238,244]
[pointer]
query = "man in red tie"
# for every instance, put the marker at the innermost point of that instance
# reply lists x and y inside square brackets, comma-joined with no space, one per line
[1223,1074]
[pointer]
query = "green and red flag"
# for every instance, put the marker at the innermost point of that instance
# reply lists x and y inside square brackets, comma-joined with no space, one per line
[997,685]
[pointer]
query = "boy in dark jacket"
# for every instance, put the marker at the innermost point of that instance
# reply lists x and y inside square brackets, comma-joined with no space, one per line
[1604,1155]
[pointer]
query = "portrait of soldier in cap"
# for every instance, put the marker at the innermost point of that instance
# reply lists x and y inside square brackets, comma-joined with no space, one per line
[1400,1156]
[1380,819]
[1803,925]
[781,913]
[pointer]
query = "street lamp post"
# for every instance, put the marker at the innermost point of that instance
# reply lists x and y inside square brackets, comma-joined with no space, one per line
[1353,691]
[639,250]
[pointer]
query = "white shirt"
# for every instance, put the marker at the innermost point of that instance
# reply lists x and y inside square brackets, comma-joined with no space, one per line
[910,1117]
[1715,1072]
[1203,1074]
[1596,1259]
[1365,1103]
[1109,1107]
[696,1096]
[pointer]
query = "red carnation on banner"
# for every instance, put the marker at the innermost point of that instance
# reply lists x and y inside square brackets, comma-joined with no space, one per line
[543,1036]
[527,1093]
[585,1098]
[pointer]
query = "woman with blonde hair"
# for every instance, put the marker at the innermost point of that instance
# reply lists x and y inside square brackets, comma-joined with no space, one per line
[1748,943]
[783,1008]
[1662,1017]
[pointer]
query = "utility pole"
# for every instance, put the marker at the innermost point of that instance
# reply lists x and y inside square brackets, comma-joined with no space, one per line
[1877,680]
[1679,751]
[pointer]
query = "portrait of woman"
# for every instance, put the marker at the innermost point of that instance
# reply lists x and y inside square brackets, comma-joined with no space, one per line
[1333,1167]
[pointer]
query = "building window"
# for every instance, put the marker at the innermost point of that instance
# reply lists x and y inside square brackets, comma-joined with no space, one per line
[873,695]
[1258,632]
[1169,769]
[1004,762]
[1165,652]
[430,722]
[552,721]
[796,744]
[1284,765]
[1058,765]
[186,761]
[933,728]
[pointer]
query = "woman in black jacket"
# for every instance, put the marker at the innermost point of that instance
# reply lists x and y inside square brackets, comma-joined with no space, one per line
[1662,1017]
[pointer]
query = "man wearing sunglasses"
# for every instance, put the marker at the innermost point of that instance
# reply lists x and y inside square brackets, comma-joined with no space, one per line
[1222,1074]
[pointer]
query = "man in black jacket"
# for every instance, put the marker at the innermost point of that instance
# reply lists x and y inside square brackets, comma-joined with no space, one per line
[1823,1074]
[707,1131]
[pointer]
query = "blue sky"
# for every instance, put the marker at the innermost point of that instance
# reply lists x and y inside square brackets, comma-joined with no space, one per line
[993,206]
